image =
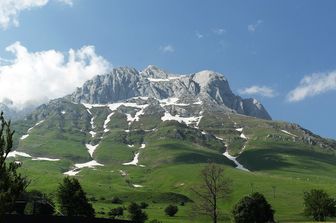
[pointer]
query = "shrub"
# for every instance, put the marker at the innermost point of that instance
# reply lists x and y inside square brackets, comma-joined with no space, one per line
[253,208]
[171,210]
[136,214]
[143,205]
[72,199]
[319,205]
[116,200]
[116,212]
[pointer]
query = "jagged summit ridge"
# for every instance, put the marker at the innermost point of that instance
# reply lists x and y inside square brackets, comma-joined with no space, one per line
[209,88]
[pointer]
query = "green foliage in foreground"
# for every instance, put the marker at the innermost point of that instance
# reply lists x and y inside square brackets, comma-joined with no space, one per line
[73,200]
[319,205]
[12,184]
[136,214]
[171,210]
[253,208]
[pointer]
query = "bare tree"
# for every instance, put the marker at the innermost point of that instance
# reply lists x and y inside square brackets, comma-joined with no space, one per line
[213,188]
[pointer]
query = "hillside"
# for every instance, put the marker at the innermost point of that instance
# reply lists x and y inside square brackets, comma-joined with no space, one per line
[145,136]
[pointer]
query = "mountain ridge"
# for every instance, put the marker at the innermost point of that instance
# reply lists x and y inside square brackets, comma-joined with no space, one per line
[207,86]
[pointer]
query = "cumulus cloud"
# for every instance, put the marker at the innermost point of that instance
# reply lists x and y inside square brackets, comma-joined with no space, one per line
[253,27]
[259,90]
[312,85]
[35,77]
[10,9]
[167,49]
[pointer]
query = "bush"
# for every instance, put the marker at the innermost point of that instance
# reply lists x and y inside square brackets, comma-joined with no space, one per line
[143,205]
[319,205]
[116,200]
[72,199]
[253,208]
[93,199]
[116,212]
[38,203]
[171,210]
[136,214]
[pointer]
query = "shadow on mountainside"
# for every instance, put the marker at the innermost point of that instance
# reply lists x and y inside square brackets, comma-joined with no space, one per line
[279,157]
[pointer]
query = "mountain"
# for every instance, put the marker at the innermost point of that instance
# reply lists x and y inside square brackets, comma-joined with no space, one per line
[210,89]
[145,136]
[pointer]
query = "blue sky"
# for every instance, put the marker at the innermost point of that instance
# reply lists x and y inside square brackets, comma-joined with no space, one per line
[266,49]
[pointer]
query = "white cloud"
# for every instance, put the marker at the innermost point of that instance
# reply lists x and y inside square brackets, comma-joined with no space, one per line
[312,85]
[167,49]
[219,31]
[259,90]
[34,77]
[10,9]
[253,27]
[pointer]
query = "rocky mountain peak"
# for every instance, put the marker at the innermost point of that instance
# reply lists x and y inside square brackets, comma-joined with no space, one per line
[153,71]
[208,89]
[205,77]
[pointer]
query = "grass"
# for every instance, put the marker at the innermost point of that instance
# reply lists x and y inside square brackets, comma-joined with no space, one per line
[173,158]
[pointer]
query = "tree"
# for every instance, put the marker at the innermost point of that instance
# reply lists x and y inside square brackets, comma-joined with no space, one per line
[38,203]
[136,214]
[171,210]
[115,212]
[12,184]
[143,205]
[72,199]
[213,188]
[319,205]
[253,208]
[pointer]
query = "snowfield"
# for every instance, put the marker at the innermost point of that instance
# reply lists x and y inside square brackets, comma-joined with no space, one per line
[46,159]
[30,129]
[239,129]
[135,160]
[90,164]
[234,159]
[243,136]
[16,153]
[108,119]
[91,149]
[187,120]
[288,133]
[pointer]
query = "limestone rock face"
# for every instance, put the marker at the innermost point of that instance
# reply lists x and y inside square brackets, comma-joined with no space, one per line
[206,89]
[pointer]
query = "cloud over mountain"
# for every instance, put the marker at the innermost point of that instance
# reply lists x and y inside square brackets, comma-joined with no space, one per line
[258,90]
[34,77]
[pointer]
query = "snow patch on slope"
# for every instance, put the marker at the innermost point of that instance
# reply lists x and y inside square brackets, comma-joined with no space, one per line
[288,133]
[108,119]
[30,129]
[187,120]
[135,160]
[16,153]
[46,159]
[91,149]
[234,159]
[90,164]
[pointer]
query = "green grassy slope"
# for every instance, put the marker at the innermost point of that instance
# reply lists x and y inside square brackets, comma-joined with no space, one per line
[173,157]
